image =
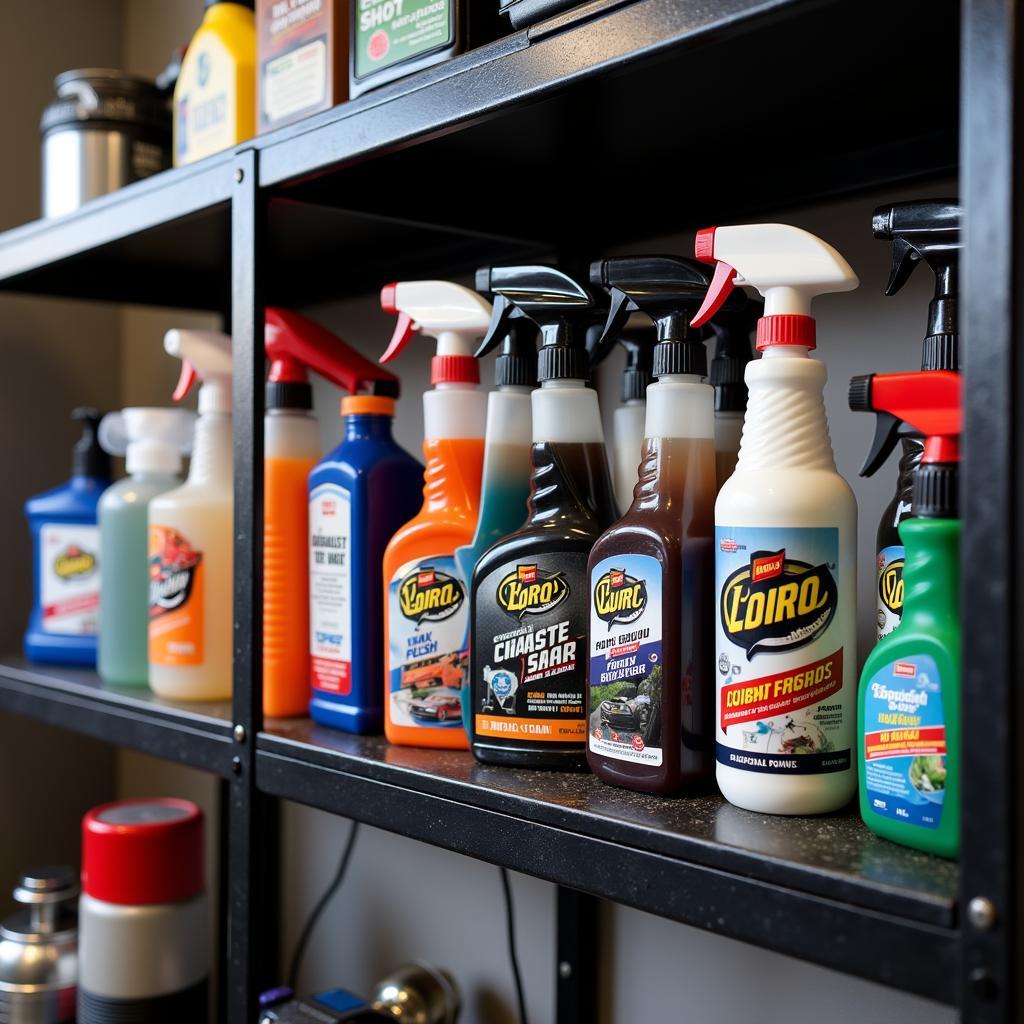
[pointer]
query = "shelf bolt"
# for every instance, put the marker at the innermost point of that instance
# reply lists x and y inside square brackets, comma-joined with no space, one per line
[236,766]
[239,175]
[238,733]
[565,970]
[981,913]
[983,984]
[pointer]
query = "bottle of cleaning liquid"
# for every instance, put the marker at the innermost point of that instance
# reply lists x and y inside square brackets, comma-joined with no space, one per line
[153,442]
[215,97]
[528,608]
[651,690]
[732,329]
[785,543]
[191,538]
[323,612]
[291,451]
[507,443]
[909,703]
[628,419]
[64,622]
[923,231]
[426,607]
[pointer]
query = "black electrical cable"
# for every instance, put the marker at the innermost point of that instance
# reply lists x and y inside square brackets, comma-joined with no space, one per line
[321,905]
[510,923]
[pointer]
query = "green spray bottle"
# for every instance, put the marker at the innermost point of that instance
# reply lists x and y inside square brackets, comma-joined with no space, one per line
[909,699]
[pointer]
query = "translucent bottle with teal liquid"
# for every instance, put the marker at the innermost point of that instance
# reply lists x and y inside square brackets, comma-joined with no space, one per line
[909,699]
[153,442]
[507,442]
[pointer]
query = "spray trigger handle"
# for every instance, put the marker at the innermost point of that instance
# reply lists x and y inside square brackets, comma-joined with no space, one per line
[185,381]
[722,284]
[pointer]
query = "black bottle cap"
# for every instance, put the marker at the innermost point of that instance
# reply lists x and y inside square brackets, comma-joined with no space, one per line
[516,364]
[554,302]
[88,458]
[251,4]
[289,395]
[637,343]
[935,492]
[732,327]
[927,231]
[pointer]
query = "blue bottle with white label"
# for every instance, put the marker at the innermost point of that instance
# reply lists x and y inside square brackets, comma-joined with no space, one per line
[64,622]
[359,495]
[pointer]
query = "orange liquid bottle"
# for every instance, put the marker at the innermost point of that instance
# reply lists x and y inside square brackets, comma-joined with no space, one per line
[426,598]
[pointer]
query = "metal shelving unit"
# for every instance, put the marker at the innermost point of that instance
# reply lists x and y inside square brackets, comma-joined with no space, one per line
[616,121]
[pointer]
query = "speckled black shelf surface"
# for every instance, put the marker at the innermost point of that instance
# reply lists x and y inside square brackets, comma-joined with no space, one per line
[198,735]
[694,858]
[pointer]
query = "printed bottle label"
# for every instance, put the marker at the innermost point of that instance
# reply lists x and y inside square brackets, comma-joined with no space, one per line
[389,32]
[890,588]
[295,81]
[625,659]
[205,118]
[428,615]
[905,742]
[69,579]
[176,599]
[780,662]
[330,589]
[531,646]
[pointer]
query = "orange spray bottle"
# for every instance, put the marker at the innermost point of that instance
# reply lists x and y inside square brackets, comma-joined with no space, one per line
[291,450]
[426,602]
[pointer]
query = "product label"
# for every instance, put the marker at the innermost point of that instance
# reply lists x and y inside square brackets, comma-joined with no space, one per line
[625,659]
[295,81]
[890,589]
[389,32]
[176,599]
[530,646]
[204,116]
[330,589]
[905,742]
[428,615]
[781,666]
[69,579]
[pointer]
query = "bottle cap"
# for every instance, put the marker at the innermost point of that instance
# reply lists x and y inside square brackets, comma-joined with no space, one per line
[88,457]
[367,405]
[143,852]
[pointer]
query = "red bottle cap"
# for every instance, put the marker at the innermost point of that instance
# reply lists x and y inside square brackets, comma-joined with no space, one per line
[143,852]
[786,329]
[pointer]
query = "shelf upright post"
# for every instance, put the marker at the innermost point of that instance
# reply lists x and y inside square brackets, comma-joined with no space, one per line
[577,980]
[992,489]
[252,838]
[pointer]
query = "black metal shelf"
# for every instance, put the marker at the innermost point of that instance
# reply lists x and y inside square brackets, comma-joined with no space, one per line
[197,735]
[815,888]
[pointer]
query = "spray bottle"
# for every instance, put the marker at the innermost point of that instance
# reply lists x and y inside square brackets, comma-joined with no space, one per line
[291,450]
[426,608]
[732,328]
[528,616]
[191,538]
[651,676]
[909,704]
[923,231]
[785,543]
[507,442]
[153,442]
[637,341]
[64,621]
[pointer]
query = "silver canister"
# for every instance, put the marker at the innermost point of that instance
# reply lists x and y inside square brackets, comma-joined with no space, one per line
[418,993]
[39,949]
[104,130]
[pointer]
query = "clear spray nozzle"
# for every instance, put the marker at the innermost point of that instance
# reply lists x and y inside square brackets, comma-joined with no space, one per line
[204,355]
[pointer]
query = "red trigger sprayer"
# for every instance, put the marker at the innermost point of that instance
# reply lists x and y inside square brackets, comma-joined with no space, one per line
[295,344]
[908,722]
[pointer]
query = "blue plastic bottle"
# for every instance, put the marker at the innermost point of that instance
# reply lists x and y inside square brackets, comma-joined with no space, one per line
[64,622]
[359,495]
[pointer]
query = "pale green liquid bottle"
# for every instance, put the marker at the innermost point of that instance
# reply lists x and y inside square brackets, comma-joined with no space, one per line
[124,587]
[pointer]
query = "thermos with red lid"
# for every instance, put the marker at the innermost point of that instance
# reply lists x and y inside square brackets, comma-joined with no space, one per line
[143,948]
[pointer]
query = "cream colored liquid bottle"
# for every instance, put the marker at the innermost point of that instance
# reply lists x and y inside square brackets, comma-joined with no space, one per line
[191,540]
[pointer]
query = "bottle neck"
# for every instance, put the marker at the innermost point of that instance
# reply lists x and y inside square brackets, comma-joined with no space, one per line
[367,426]
[785,425]
[452,485]
[931,571]
[211,454]
[910,459]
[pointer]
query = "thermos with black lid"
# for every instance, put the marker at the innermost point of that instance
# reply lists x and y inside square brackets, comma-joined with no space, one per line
[144,945]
